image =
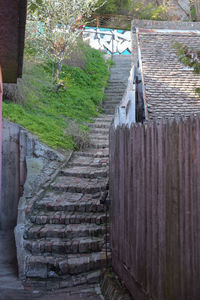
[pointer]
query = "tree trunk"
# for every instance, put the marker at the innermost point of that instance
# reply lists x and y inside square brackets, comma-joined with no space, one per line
[197,8]
[184,5]
[56,76]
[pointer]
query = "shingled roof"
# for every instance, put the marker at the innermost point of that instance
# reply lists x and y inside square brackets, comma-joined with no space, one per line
[12,24]
[169,87]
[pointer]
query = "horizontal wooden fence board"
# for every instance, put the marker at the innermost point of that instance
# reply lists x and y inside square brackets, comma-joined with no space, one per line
[155,208]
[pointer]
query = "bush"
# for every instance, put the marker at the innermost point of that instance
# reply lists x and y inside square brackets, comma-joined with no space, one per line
[79,136]
[14,92]
[148,11]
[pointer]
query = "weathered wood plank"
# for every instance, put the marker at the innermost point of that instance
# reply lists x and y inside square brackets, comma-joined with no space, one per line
[155,170]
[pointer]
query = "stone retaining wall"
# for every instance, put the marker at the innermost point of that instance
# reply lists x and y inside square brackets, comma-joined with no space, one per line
[28,168]
[23,155]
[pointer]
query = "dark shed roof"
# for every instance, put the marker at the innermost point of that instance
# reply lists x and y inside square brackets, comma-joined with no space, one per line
[12,31]
[169,86]
[151,24]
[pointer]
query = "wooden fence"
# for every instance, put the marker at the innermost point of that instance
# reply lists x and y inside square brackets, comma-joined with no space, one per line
[155,215]
[1,96]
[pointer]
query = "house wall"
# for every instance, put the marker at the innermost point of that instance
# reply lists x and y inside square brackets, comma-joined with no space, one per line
[12,24]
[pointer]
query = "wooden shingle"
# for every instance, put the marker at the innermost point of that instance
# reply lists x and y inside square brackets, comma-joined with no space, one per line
[169,86]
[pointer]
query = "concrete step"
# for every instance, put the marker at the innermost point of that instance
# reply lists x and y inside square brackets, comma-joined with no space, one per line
[113,99]
[104,118]
[74,184]
[110,105]
[98,144]
[104,125]
[91,161]
[121,81]
[99,137]
[112,102]
[115,92]
[95,153]
[71,202]
[51,267]
[62,217]
[109,110]
[61,231]
[62,282]
[85,172]
[58,246]
[99,130]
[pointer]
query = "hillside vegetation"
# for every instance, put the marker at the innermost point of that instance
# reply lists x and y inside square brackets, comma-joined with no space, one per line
[47,113]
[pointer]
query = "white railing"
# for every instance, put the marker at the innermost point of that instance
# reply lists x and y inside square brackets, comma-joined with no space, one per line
[125,113]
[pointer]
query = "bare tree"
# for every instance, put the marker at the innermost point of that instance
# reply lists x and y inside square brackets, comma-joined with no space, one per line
[53,28]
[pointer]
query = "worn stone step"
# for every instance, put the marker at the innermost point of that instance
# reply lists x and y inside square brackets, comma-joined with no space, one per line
[118,82]
[99,130]
[51,267]
[106,119]
[113,97]
[114,94]
[100,125]
[97,162]
[110,106]
[79,185]
[113,91]
[69,231]
[109,110]
[66,202]
[99,136]
[62,217]
[58,246]
[71,202]
[85,172]
[65,281]
[96,143]
[112,100]
[96,153]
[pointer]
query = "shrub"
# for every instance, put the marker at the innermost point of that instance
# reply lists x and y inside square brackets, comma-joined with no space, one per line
[79,136]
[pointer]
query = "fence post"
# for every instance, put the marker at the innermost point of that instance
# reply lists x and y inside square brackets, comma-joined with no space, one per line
[1,95]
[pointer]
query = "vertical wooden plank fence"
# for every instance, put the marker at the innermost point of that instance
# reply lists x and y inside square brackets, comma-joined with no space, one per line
[155,208]
[1,95]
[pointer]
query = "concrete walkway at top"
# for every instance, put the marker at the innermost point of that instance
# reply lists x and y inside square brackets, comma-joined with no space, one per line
[66,242]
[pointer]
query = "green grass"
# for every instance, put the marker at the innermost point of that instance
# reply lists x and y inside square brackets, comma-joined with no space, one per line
[47,113]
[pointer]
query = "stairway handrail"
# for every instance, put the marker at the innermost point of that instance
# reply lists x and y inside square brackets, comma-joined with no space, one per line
[125,113]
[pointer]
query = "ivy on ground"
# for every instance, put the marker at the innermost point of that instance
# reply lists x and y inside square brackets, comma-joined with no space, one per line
[189,58]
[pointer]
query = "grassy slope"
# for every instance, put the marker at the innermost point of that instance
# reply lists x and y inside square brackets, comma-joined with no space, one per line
[46,113]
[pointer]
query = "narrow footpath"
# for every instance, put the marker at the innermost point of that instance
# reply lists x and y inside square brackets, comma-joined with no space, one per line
[66,240]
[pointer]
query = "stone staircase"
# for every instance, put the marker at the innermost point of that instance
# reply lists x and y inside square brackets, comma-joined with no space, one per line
[65,239]
[117,83]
